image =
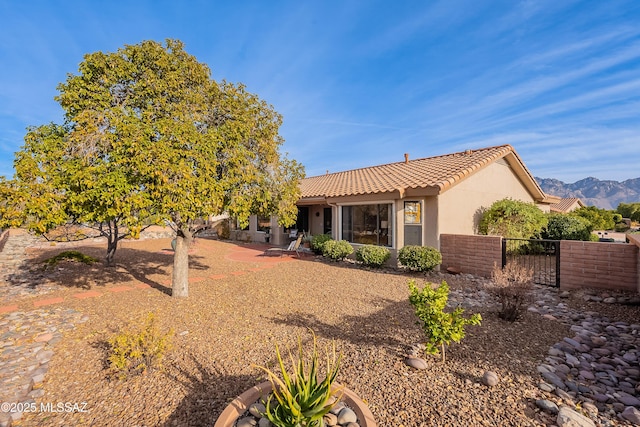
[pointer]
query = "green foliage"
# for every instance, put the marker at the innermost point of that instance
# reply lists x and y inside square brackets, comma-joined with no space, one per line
[439,326]
[629,210]
[132,352]
[567,227]
[617,218]
[600,219]
[318,241]
[419,258]
[337,249]
[72,256]
[373,256]
[512,218]
[148,134]
[301,399]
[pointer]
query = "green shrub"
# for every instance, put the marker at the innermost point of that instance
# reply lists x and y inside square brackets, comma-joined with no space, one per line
[337,249]
[567,227]
[512,218]
[440,327]
[318,241]
[72,256]
[373,256]
[300,398]
[132,352]
[420,258]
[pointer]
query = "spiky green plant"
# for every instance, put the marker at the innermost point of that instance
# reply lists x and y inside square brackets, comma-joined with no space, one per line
[299,399]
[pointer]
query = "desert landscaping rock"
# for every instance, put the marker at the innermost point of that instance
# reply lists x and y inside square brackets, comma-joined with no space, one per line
[631,414]
[347,416]
[567,417]
[416,362]
[26,347]
[246,422]
[212,363]
[547,406]
[490,379]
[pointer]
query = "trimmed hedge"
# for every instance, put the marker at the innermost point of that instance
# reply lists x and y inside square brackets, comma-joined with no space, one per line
[337,249]
[420,258]
[318,241]
[372,256]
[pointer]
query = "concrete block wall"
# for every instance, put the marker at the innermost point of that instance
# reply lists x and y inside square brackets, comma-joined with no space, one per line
[475,255]
[612,266]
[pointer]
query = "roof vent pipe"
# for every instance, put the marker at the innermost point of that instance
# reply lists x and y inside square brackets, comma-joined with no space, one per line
[406,157]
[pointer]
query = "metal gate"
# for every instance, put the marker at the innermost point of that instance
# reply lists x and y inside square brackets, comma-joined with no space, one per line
[541,256]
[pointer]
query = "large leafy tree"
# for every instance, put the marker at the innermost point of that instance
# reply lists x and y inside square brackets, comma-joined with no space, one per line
[600,219]
[629,210]
[512,218]
[149,134]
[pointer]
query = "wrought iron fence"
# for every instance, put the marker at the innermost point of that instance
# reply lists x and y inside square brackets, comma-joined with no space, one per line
[541,256]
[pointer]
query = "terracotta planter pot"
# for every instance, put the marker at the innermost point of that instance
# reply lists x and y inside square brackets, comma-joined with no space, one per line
[241,403]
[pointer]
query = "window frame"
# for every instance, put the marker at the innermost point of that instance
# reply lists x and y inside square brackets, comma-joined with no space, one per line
[391,221]
[261,229]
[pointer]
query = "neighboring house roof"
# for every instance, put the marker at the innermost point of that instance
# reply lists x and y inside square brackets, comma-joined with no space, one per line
[427,176]
[566,205]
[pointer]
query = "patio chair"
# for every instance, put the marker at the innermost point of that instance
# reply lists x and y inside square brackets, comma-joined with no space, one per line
[294,246]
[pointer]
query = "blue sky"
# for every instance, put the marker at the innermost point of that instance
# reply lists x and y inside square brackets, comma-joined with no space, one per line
[359,83]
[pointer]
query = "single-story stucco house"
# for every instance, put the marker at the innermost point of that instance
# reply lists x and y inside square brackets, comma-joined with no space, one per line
[410,202]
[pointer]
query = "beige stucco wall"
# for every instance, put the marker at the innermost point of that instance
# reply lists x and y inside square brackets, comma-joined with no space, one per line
[316,216]
[456,211]
[459,208]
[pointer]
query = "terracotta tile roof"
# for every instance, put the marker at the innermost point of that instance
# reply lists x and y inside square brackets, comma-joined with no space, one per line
[439,172]
[565,205]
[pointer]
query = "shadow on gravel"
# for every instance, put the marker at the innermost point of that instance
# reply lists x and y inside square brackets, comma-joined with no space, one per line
[388,327]
[131,265]
[208,392]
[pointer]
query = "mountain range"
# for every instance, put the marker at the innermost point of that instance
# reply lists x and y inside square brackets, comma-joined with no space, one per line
[594,192]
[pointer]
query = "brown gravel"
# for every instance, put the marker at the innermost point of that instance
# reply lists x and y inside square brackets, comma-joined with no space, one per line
[226,325]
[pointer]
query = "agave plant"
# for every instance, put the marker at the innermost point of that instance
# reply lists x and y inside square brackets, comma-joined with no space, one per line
[299,399]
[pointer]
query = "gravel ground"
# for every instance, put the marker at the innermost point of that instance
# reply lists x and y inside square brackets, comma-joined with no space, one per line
[226,325]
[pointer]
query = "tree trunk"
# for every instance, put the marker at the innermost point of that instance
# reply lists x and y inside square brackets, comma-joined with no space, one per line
[180,278]
[112,243]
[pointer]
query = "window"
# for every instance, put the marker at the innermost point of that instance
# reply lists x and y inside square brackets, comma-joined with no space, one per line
[412,213]
[264,223]
[367,224]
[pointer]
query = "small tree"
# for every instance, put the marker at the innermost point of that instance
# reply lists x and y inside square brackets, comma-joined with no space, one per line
[512,218]
[439,326]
